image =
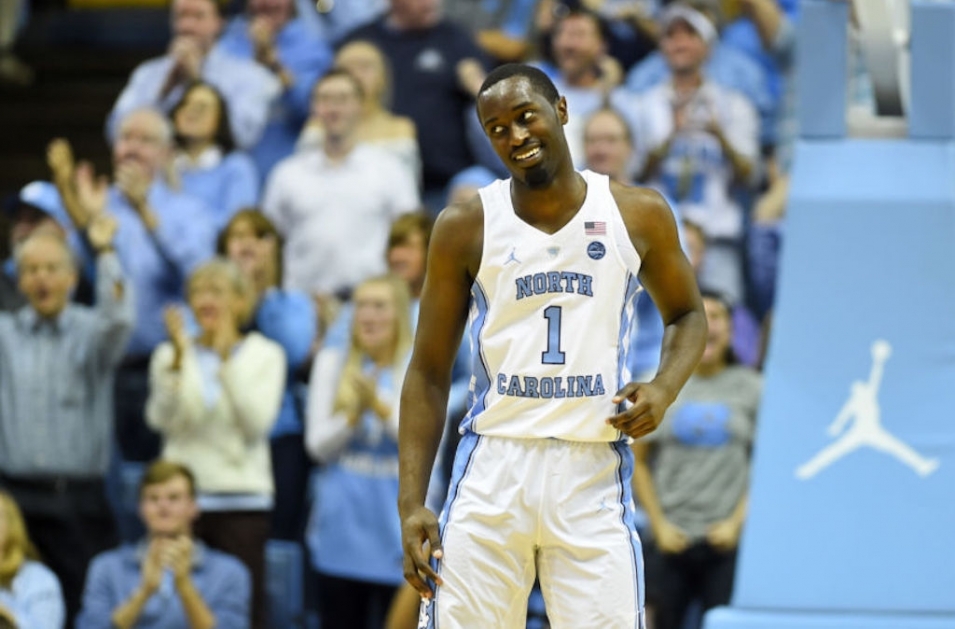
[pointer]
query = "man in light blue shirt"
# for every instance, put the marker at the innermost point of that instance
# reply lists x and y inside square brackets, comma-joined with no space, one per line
[248,88]
[727,66]
[163,235]
[57,362]
[167,580]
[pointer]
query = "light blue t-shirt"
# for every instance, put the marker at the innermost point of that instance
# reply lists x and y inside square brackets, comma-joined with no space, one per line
[222,581]
[354,532]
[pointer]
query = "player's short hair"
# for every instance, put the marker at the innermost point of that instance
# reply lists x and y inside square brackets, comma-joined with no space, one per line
[161,471]
[536,77]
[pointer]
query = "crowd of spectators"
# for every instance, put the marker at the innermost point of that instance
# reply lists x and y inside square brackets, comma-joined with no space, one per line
[222,322]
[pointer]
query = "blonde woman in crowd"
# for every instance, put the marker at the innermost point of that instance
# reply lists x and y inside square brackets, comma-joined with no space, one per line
[352,429]
[214,399]
[30,596]
[378,125]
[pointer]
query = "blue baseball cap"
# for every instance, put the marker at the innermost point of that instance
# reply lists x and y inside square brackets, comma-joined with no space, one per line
[43,196]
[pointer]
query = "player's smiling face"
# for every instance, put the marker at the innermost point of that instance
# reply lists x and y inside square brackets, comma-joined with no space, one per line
[525,129]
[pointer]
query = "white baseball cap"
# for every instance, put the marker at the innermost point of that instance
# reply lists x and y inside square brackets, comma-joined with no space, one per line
[697,21]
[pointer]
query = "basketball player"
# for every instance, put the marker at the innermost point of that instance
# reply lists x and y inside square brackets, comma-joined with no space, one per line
[547,263]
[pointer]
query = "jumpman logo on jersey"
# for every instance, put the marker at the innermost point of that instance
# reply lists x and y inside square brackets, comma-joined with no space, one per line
[862,409]
[512,257]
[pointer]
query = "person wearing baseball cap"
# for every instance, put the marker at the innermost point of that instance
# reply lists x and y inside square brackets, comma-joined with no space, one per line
[698,141]
[726,63]
[37,208]
[702,24]
[56,382]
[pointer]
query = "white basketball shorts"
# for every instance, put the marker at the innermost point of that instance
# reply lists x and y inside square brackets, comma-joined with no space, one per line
[558,511]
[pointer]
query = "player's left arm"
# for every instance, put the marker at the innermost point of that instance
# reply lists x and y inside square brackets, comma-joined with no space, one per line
[666,274]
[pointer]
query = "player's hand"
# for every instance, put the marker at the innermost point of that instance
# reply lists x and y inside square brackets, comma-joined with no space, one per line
[421,541]
[649,404]
[670,538]
[724,535]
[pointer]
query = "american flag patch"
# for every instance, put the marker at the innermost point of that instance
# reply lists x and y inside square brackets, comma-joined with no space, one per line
[595,228]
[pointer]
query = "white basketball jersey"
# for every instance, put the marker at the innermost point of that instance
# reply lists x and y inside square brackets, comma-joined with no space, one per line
[550,320]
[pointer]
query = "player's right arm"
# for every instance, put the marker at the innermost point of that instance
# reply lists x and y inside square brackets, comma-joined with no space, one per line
[454,257]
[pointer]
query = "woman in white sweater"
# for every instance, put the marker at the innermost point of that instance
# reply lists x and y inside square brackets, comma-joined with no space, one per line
[214,399]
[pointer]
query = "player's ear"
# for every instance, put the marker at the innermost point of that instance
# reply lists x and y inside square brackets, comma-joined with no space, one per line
[562,110]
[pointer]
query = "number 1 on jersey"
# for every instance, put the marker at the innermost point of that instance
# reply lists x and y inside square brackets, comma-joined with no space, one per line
[553,355]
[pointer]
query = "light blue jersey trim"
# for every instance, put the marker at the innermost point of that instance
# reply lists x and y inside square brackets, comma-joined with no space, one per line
[628,519]
[477,401]
[462,465]
[463,460]
[627,314]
